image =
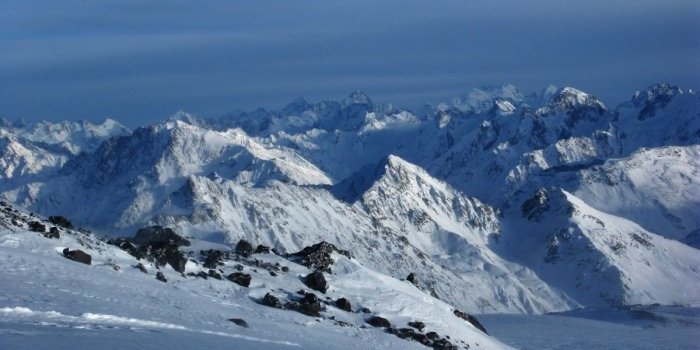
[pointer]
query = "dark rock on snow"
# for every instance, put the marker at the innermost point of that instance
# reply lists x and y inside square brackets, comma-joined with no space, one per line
[77,255]
[60,221]
[271,301]
[318,256]
[214,274]
[239,321]
[417,325]
[161,277]
[53,233]
[262,249]
[244,248]
[471,319]
[377,321]
[316,281]
[141,268]
[344,304]
[36,226]
[239,278]
[159,236]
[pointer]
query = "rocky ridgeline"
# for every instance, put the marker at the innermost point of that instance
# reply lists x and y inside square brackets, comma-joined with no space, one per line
[162,246]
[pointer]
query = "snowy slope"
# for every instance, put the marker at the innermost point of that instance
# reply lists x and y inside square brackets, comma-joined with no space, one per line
[119,303]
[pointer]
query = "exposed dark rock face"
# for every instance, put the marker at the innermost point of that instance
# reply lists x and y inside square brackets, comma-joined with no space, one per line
[214,274]
[60,221]
[213,258]
[536,206]
[159,236]
[37,226]
[53,233]
[411,278]
[262,249]
[417,325]
[318,256]
[366,310]
[141,268]
[316,281]
[239,278]
[377,321]
[304,307]
[77,255]
[244,248]
[239,321]
[271,301]
[471,319]
[161,277]
[344,304]
[202,274]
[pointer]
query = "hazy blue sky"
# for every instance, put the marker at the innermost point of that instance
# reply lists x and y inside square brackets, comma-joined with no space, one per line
[140,61]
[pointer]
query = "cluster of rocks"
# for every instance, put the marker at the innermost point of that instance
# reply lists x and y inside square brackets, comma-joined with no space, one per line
[306,303]
[415,332]
[317,256]
[158,244]
[471,319]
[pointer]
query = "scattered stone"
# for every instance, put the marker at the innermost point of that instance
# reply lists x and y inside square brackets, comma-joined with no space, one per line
[316,281]
[271,301]
[214,274]
[244,248]
[161,277]
[366,310]
[310,298]
[308,309]
[238,267]
[471,319]
[318,256]
[77,255]
[36,226]
[202,274]
[141,268]
[272,273]
[262,249]
[285,269]
[344,304]
[420,326]
[239,321]
[159,236]
[53,233]
[411,278]
[421,338]
[212,258]
[239,278]
[60,221]
[432,335]
[377,321]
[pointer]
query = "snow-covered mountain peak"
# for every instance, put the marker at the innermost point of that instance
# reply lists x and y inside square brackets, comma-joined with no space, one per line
[656,92]
[568,99]
[358,97]
[483,99]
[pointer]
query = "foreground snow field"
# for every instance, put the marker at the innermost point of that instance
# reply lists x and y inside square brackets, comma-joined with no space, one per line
[48,301]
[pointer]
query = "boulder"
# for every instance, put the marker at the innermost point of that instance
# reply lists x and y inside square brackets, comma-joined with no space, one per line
[421,338]
[308,309]
[366,310]
[60,221]
[77,255]
[239,278]
[310,298]
[214,274]
[471,319]
[377,321]
[244,248]
[161,277]
[344,304]
[316,281]
[141,268]
[318,256]
[432,335]
[176,259]
[239,321]
[212,258]
[53,233]
[420,326]
[202,274]
[271,301]
[157,236]
[411,278]
[262,249]
[36,226]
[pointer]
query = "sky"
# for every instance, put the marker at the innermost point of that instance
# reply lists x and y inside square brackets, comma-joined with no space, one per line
[141,61]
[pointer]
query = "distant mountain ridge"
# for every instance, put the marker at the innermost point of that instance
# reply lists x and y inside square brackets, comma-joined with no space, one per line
[439,194]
